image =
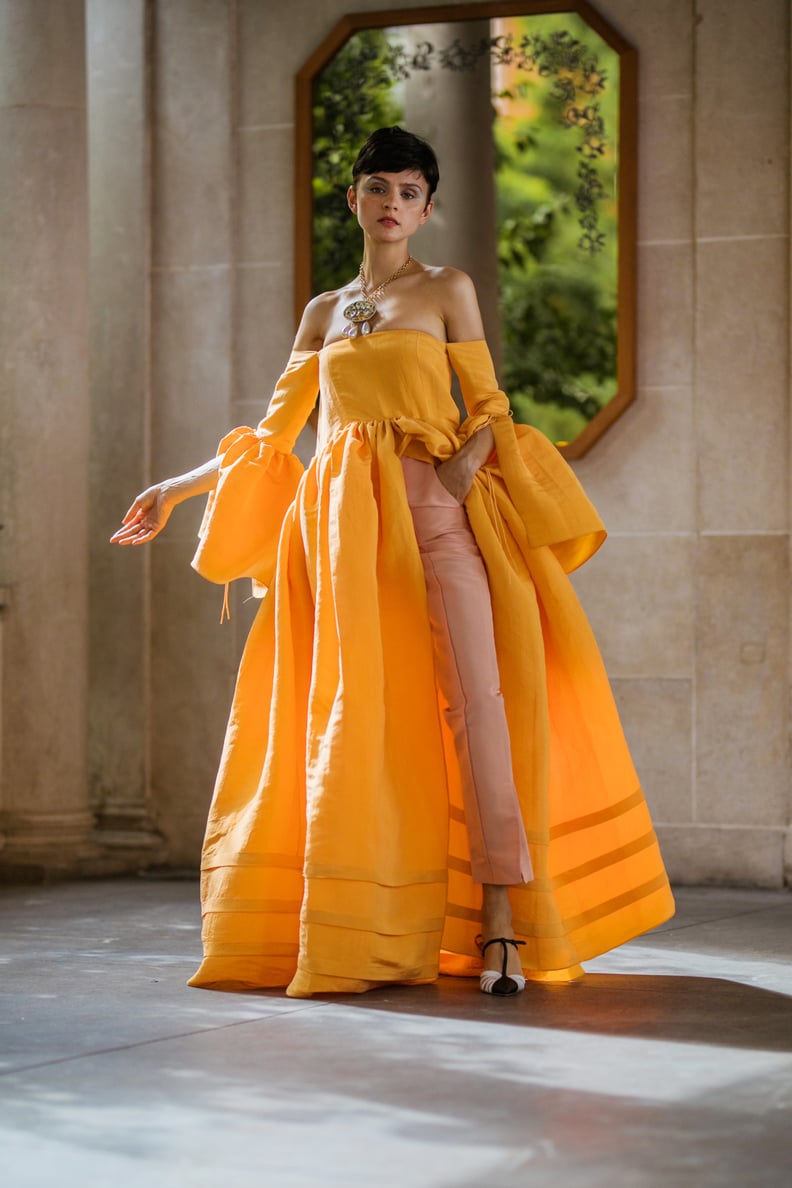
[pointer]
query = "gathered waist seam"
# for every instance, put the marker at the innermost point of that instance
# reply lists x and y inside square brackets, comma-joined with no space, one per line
[398,426]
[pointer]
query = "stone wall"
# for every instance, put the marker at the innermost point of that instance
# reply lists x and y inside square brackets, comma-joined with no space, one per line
[690,597]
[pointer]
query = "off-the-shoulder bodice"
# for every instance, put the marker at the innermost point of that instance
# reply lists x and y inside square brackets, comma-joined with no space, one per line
[388,375]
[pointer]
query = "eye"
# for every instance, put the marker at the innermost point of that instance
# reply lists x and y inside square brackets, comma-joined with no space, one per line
[409,194]
[375,188]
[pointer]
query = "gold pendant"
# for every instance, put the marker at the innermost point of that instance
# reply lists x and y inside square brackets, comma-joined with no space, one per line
[359,315]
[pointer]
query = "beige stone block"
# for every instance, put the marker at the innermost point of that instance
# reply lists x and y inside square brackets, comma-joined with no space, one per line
[742,119]
[192,135]
[741,403]
[657,716]
[117,693]
[265,329]
[44,680]
[43,53]
[741,674]
[638,593]
[661,32]
[266,81]
[700,854]
[43,230]
[193,665]
[665,314]
[665,170]
[117,139]
[266,219]
[43,346]
[191,371]
[641,474]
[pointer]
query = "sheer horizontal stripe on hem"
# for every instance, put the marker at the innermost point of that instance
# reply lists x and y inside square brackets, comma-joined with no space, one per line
[334,920]
[609,907]
[607,814]
[280,861]
[245,949]
[353,874]
[225,905]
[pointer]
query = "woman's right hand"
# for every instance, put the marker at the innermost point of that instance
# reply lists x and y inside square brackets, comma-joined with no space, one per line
[146,518]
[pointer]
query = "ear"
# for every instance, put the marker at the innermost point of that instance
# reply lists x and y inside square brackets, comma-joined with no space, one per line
[352,199]
[427,211]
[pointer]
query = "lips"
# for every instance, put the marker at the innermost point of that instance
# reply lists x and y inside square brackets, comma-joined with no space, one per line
[388,222]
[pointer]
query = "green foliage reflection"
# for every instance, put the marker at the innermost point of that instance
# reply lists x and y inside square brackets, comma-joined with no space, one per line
[558,301]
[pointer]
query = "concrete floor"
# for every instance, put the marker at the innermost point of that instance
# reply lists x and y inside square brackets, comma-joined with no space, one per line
[671,1064]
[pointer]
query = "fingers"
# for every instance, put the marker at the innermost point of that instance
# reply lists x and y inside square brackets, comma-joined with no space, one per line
[144,520]
[137,532]
[133,516]
[141,505]
[124,536]
[128,528]
[136,539]
[135,510]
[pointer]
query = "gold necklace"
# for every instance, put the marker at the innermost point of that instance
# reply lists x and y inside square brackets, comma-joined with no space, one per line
[360,314]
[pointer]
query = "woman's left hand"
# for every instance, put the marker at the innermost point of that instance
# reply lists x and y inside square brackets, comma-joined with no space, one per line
[456,477]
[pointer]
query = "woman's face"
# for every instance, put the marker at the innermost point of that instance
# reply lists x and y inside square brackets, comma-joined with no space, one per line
[390,206]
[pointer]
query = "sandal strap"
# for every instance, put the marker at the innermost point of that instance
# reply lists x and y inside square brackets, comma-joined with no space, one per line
[502,940]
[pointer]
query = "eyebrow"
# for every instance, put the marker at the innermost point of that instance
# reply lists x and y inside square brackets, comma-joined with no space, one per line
[404,185]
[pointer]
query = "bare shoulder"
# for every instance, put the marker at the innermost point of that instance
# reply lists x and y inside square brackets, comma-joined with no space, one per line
[450,280]
[455,296]
[315,320]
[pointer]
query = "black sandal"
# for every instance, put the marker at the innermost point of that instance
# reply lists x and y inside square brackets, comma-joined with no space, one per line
[501,984]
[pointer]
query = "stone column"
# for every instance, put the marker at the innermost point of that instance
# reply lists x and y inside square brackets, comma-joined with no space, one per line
[194,150]
[120,410]
[44,810]
[453,110]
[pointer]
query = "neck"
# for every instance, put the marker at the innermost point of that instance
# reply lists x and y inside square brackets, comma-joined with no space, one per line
[381,259]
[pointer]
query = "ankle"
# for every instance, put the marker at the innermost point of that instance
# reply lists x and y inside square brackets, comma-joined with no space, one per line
[496,913]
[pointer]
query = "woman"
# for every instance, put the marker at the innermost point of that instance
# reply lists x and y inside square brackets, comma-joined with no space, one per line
[423,740]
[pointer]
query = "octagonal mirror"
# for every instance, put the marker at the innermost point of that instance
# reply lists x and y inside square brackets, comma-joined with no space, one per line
[531,108]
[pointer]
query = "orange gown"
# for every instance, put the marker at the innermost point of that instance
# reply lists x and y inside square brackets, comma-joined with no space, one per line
[336,855]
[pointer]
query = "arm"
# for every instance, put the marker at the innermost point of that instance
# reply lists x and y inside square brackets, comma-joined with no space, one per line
[152,508]
[464,324]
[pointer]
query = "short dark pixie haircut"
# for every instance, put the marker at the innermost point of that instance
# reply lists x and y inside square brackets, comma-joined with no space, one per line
[391,150]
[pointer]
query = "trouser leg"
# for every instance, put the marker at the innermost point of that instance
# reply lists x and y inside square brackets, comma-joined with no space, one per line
[460,613]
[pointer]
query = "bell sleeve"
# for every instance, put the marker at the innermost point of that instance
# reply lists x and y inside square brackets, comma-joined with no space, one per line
[257,482]
[550,501]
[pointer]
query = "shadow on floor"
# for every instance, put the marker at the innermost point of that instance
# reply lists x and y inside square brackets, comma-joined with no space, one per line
[656,1007]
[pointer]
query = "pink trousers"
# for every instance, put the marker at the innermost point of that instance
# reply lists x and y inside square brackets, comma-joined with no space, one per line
[460,614]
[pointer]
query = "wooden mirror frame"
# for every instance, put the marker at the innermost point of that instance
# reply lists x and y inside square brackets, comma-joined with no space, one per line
[352,23]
